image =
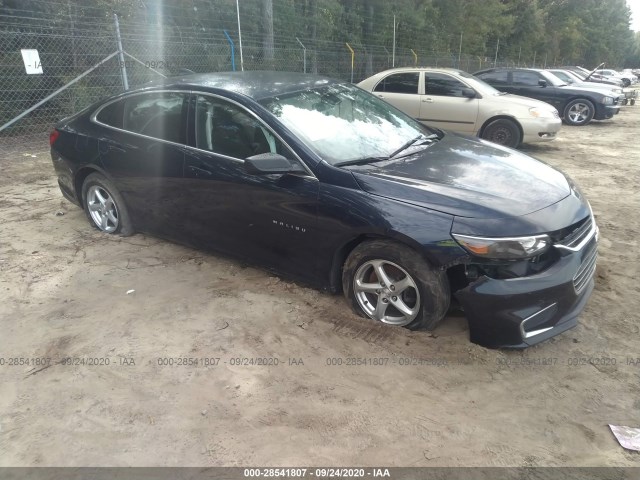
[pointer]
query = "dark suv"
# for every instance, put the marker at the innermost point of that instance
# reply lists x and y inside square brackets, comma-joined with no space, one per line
[577,105]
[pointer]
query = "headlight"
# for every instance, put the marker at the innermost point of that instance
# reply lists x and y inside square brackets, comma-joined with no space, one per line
[607,100]
[504,248]
[541,112]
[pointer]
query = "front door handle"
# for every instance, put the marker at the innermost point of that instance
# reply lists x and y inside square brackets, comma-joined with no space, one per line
[427,100]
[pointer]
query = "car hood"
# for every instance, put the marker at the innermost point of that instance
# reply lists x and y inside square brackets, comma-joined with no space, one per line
[468,178]
[511,100]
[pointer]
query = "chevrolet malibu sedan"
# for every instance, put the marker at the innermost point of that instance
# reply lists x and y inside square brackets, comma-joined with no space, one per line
[454,100]
[328,184]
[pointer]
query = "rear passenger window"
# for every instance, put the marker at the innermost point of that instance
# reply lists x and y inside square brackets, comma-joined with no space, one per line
[111,115]
[157,115]
[400,83]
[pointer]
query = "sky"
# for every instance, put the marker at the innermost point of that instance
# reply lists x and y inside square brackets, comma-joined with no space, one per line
[634,5]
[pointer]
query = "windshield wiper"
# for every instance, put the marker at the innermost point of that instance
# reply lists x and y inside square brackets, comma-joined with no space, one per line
[410,143]
[368,160]
[361,161]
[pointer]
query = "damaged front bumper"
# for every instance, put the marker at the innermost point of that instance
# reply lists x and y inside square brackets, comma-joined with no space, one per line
[520,312]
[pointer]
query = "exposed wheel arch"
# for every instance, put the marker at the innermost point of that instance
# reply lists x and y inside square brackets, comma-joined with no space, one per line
[79,179]
[342,253]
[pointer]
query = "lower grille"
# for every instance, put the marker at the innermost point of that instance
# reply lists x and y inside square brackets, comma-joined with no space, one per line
[586,271]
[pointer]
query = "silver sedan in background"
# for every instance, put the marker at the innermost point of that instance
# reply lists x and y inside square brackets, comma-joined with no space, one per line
[455,100]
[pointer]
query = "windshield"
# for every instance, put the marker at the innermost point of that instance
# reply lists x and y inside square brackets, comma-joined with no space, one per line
[564,76]
[343,123]
[552,79]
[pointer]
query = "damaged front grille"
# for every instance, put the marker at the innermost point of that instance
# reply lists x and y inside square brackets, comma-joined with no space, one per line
[586,270]
[574,239]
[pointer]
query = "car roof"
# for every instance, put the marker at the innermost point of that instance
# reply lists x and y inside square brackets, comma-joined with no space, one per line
[424,69]
[253,84]
[498,69]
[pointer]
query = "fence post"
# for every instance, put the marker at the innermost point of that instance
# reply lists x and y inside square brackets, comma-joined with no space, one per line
[304,55]
[393,61]
[353,54]
[239,37]
[123,68]
[233,51]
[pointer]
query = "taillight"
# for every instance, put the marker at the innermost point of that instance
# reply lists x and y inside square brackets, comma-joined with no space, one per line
[53,136]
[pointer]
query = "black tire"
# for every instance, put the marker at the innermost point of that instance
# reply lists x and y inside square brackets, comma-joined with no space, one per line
[632,101]
[433,295]
[503,132]
[626,82]
[117,209]
[579,112]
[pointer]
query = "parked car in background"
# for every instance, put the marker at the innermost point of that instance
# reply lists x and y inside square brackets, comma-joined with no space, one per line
[577,106]
[455,100]
[627,79]
[590,76]
[323,181]
[571,79]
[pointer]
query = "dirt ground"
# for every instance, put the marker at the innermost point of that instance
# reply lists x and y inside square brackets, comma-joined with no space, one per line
[64,295]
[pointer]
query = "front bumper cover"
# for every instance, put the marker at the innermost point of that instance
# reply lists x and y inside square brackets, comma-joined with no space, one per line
[520,312]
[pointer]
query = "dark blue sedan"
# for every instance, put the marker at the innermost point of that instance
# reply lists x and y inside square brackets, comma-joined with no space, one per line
[326,183]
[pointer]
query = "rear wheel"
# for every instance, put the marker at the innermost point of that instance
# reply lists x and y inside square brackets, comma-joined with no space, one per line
[503,132]
[579,112]
[392,284]
[104,206]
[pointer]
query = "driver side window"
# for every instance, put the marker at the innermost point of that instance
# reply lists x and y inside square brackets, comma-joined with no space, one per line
[225,128]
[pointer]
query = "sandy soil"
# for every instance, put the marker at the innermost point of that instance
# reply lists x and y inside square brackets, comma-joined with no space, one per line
[63,292]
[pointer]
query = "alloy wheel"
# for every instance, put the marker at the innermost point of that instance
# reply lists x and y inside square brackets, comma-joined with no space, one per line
[102,209]
[579,112]
[386,292]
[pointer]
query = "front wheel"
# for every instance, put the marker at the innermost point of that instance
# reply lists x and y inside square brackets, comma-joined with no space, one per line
[503,132]
[391,283]
[579,112]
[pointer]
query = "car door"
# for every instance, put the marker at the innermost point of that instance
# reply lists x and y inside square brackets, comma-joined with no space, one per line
[402,91]
[268,218]
[143,151]
[444,105]
[528,84]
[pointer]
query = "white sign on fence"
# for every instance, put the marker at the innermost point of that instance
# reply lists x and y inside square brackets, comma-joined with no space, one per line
[31,61]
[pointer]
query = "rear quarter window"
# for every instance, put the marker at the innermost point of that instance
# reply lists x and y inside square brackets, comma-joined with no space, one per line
[111,114]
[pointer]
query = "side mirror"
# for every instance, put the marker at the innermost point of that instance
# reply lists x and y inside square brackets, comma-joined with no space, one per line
[542,83]
[468,93]
[270,164]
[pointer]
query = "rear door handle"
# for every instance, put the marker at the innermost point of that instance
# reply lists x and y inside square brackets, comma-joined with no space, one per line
[200,171]
[427,100]
[380,96]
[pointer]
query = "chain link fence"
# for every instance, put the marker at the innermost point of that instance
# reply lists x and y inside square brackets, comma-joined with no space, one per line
[67,52]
